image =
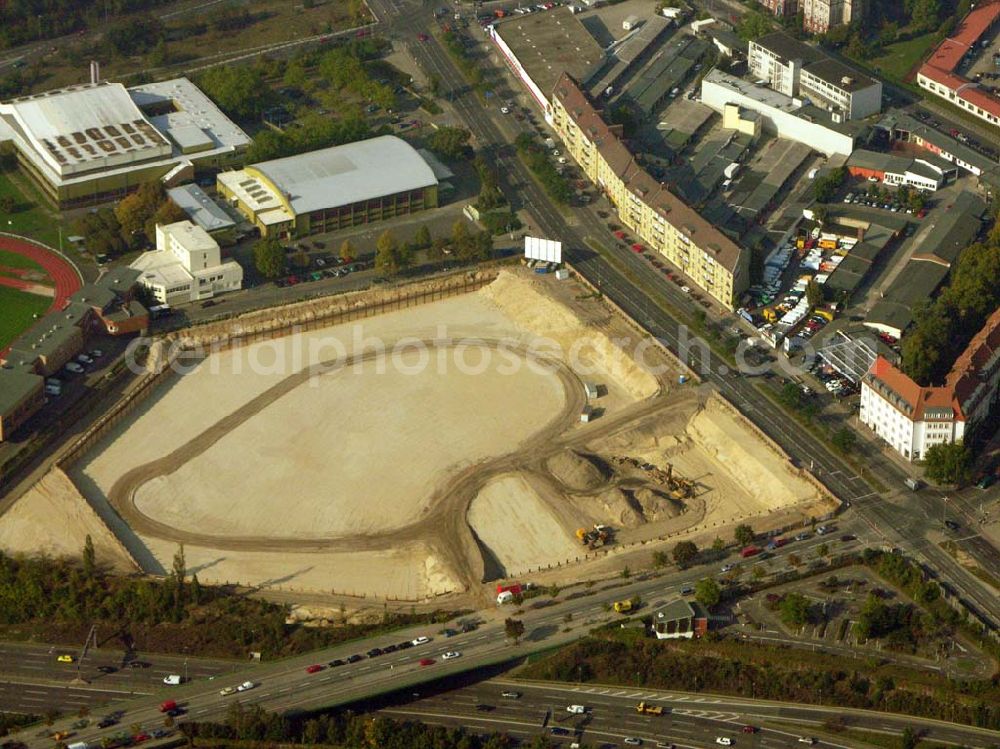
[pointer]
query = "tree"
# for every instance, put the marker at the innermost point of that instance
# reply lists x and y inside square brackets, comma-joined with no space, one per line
[387,254]
[684,553]
[708,593]
[347,252]
[7,203]
[844,439]
[437,249]
[743,534]
[513,629]
[908,739]
[168,212]
[269,257]
[752,26]
[948,463]
[794,609]
[195,590]
[626,573]
[422,238]
[450,143]
[89,558]
[135,211]
[815,293]
[718,544]
[794,560]
[239,90]
[660,559]
[460,238]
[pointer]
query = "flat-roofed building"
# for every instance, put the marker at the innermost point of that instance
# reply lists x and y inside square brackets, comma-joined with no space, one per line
[819,16]
[335,188]
[778,59]
[96,142]
[186,266]
[709,258]
[202,210]
[22,394]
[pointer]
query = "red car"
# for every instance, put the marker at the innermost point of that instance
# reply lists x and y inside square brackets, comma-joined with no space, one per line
[426,661]
[167,706]
[637,247]
[140,737]
[314,668]
[749,729]
[620,234]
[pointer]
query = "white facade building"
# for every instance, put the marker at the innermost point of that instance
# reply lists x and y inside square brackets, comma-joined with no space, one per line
[912,418]
[186,266]
[780,114]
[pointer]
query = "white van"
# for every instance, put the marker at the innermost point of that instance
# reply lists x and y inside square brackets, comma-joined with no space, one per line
[78,745]
[171,680]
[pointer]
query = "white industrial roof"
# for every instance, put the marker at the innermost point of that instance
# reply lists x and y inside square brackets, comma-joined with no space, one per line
[348,174]
[82,128]
[200,208]
[190,108]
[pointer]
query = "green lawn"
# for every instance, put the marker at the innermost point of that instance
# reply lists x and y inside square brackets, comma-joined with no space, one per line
[898,59]
[13,260]
[18,311]
[30,218]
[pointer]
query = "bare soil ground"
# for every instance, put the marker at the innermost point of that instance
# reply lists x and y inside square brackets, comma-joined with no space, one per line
[279,472]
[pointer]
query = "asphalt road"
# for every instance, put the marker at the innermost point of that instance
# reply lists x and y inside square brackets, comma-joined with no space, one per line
[689,720]
[285,684]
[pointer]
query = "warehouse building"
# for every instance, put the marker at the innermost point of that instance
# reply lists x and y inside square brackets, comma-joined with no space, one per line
[927,174]
[786,116]
[92,143]
[335,188]
[539,47]
[709,258]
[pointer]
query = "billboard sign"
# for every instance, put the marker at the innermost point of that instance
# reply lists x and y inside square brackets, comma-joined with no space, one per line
[546,250]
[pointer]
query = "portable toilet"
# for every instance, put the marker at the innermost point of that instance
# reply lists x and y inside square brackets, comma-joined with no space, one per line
[590,389]
[587,414]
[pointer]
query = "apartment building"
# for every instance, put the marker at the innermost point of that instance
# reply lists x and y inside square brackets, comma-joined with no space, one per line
[659,218]
[912,418]
[796,69]
[781,8]
[778,59]
[819,16]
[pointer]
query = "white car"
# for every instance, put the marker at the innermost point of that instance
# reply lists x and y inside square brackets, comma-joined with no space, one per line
[633,741]
[505,110]
[728,567]
[686,289]
[807,740]
[84,359]
[451,654]
[53,390]
[96,354]
[576,709]
[73,367]
[226,691]
[245,686]
[723,741]
[420,640]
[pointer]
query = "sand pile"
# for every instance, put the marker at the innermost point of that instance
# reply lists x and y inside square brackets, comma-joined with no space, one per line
[750,463]
[579,473]
[53,518]
[657,505]
[588,351]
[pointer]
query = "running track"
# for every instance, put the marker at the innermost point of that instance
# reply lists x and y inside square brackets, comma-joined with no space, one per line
[64,274]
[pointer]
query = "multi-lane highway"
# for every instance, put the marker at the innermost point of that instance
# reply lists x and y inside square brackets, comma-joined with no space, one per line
[688,720]
[286,685]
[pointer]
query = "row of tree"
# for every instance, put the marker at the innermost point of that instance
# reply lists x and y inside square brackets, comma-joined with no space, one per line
[58,599]
[944,327]
[538,161]
[131,224]
[23,21]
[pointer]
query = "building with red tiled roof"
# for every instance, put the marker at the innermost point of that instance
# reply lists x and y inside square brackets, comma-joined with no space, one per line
[660,219]
[939,73]
[912,418]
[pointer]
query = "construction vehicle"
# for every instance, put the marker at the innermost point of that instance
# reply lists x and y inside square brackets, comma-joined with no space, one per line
[623,607]
[644,708]
[594,538]
[769,314]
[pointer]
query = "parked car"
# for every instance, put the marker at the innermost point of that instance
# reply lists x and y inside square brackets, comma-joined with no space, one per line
[74,367]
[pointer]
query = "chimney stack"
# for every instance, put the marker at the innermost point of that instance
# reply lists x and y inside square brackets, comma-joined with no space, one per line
[95,71]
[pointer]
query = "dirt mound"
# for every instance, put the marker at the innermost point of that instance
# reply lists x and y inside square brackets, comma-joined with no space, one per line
[53,518]
[588,349]
[621,508]
[656,505]
[577,471]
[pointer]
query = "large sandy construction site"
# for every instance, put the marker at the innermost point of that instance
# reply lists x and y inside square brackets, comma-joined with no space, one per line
[417,453]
